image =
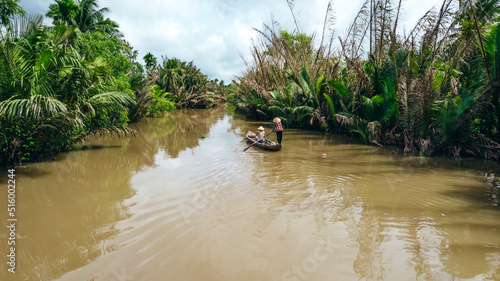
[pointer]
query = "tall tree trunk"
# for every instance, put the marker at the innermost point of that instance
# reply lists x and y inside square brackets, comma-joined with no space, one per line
[487,66]
[371,26]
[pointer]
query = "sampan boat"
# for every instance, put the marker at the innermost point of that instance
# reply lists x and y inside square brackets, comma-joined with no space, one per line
[269,145]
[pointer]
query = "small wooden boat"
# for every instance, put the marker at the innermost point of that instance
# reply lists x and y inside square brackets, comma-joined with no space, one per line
[269,145]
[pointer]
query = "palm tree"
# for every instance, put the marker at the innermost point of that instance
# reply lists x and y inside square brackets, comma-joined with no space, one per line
[9,8]
[90,17]
[150,61]
[84,14]
[38,114]
[63,11]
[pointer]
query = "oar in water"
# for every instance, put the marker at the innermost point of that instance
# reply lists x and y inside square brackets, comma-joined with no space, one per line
[256,142]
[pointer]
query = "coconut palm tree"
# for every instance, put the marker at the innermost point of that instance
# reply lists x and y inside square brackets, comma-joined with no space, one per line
[39,115]
[91,17]
[84,14]
[150,61]
[9,8]
[63,11]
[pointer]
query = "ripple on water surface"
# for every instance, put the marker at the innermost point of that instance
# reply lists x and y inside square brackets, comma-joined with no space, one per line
[182,201]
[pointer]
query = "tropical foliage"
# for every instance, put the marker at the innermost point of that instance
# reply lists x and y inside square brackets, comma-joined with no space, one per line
[85,15]
[176,84]
[78,79]
[432,90]
[9,8]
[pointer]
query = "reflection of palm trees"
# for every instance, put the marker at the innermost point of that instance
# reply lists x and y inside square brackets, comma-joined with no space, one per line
[468,253]
[71,206]
[400,224]
[368,263]
[422,229]
[180,130]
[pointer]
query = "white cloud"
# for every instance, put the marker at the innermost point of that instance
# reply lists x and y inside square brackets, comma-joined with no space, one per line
[213,33]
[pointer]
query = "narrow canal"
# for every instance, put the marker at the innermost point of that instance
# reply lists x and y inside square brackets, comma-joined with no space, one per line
[182,201]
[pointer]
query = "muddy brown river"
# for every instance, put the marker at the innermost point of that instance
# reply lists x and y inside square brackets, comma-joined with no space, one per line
[182,201]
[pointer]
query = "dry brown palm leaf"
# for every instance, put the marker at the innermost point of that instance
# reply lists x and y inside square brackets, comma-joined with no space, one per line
[403,93]
[374,130]
[408,141]
[484,147]
[344,121]
[261,113]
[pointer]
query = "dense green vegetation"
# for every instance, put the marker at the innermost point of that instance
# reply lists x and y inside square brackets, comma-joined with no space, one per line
[79,78]
[176,84]
[433,90]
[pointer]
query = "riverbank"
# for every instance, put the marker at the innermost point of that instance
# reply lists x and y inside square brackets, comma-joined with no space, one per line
[432,90]
[79,78]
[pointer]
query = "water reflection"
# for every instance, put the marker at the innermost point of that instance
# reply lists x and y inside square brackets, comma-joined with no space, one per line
[434,234]
[179,130]
[68,208]
[409,218]
[66,212]
[182,201]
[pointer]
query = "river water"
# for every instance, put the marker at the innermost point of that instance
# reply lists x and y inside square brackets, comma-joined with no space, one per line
[182,201]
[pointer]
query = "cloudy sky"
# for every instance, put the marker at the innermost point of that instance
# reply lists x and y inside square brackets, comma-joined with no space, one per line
[213,33]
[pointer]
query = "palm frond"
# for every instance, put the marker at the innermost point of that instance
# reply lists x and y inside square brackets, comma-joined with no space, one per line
[483,146]
[332,108]
[22,26]
[112,98]
[36,108]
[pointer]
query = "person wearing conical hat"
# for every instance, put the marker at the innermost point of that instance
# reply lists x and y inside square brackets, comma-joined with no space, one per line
[261,134]
[278,128]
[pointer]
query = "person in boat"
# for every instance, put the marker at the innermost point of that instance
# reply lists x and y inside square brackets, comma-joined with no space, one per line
[261,135]
[278,129]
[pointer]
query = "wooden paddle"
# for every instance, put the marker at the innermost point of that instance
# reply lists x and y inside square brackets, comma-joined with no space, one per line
[257,141]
